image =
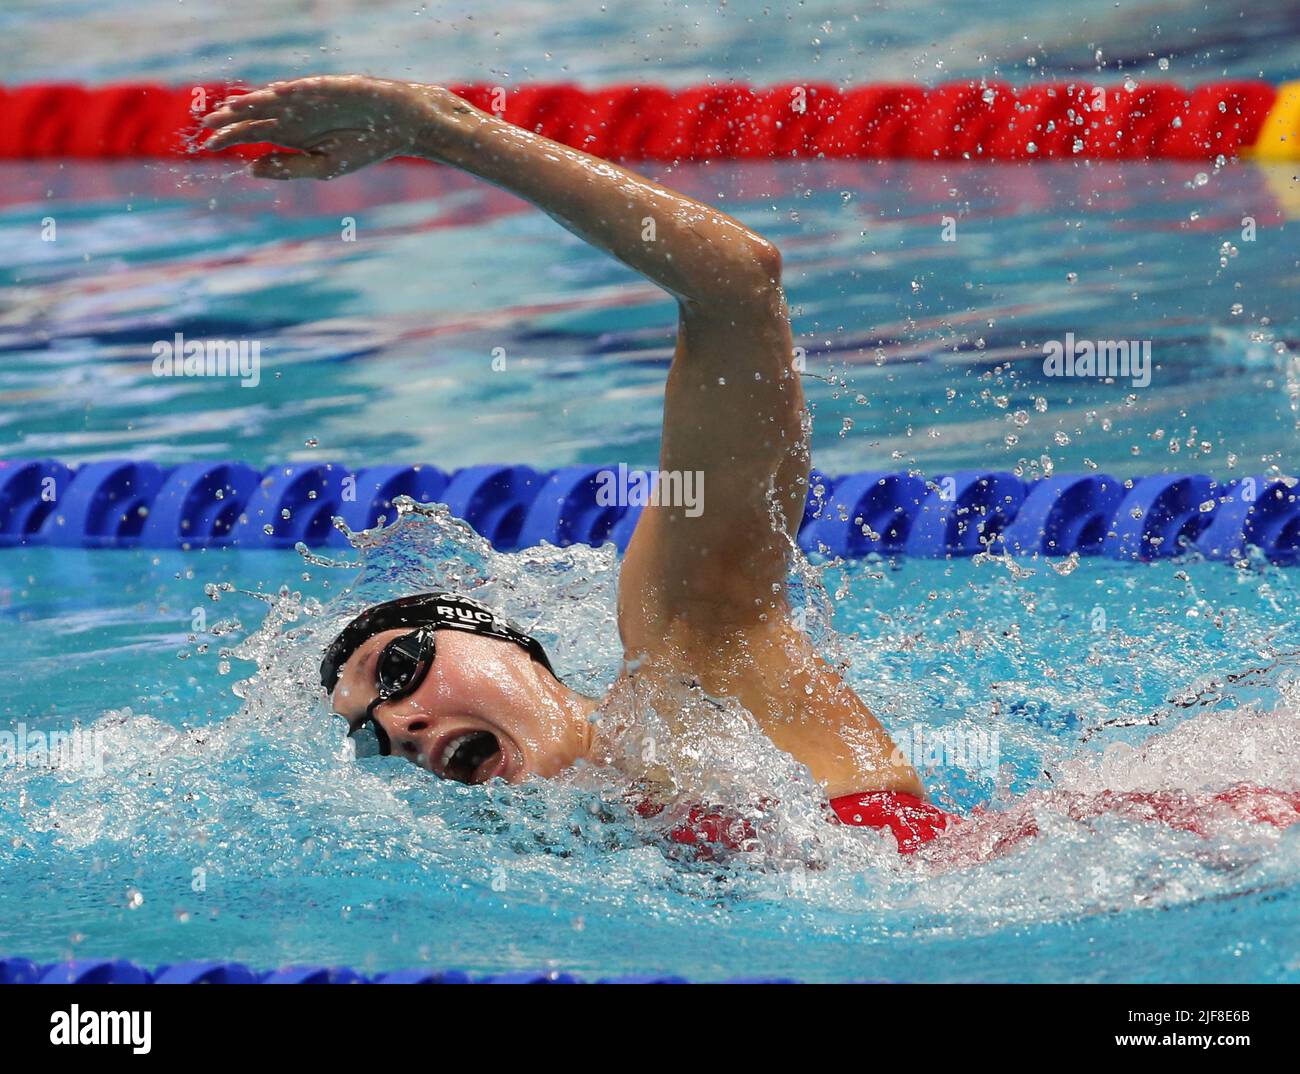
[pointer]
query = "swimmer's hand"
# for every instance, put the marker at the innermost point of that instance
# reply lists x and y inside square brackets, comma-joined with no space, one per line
[336,123]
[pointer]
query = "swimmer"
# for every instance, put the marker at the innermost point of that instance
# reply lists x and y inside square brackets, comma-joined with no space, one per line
[702,593]
[702,597]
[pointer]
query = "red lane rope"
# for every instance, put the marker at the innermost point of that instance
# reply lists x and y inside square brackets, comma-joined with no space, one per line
[957,121]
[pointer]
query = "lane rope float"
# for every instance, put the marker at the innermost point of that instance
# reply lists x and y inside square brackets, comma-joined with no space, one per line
[969,120]
[127,503]
[120,971]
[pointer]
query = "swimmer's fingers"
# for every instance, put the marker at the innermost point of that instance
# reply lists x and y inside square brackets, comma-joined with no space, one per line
[328,159]
[260,104]
[300,98]
[243,133]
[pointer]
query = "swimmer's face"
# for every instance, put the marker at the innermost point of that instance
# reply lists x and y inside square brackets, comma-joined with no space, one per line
[483,710]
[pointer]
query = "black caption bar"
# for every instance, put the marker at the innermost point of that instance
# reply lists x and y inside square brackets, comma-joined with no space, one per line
[339,1022]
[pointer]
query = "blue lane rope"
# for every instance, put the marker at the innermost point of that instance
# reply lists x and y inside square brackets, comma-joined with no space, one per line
[128,503]
[119,971]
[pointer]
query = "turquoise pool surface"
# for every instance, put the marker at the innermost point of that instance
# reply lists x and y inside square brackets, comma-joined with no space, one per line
[229,818]
[248,830]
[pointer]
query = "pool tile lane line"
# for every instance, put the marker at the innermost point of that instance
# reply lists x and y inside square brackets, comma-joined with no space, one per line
[221,504]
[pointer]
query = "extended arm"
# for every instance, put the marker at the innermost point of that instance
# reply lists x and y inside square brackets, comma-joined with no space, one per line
[734,409]
[339,124]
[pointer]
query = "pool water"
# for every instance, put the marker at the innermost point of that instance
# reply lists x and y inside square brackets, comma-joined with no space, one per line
[230,818]
[920,353]
[251,831]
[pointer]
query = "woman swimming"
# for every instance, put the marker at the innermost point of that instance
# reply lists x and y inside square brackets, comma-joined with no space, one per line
[444,681]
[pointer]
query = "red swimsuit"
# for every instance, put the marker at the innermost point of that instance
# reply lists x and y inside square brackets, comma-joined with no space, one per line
[913,822]
[910,820]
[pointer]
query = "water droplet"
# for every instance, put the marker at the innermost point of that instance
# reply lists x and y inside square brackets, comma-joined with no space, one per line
[1068,565]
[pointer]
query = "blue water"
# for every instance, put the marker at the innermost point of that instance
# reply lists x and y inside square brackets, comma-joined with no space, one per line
[669,41]
[230,820]
[307,854]
[921,353]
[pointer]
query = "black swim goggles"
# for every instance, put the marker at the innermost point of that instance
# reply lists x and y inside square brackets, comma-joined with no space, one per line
[405,661]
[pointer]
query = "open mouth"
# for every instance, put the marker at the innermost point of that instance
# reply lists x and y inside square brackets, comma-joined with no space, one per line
[474,757]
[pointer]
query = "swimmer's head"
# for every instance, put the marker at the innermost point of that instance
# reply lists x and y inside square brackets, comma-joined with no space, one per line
[445,682]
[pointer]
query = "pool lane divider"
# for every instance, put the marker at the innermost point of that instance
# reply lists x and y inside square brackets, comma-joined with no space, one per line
[976,119]
[228,504]
[120,971]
